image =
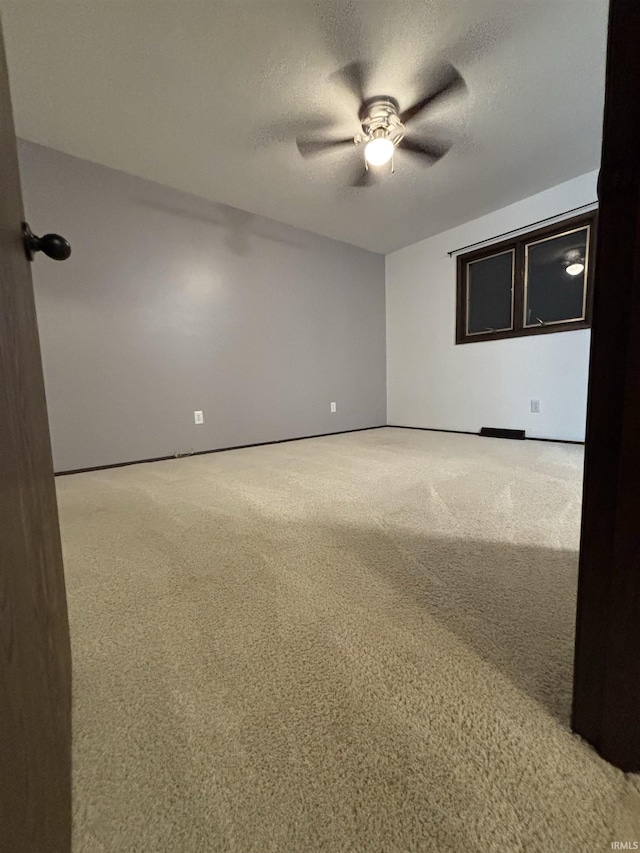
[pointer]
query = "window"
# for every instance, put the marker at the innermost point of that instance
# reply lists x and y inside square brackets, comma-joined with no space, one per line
[533,284]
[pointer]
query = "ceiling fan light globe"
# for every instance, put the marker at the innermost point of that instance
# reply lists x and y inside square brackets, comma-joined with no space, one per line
[575,268]
[379,151]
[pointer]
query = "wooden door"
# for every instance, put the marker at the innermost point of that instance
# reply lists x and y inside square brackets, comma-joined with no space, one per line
[606,697]
[35,677]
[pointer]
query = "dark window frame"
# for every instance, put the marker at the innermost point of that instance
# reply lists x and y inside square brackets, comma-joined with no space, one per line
[517,245]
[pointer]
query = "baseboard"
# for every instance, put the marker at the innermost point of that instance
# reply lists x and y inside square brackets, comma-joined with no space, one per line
[434,429]
[554,440]
[284,441]
[468,432]
[205,452]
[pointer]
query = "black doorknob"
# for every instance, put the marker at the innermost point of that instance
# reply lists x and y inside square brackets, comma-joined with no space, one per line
[53,245]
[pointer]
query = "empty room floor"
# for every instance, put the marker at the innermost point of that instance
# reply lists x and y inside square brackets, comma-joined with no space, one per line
[359,642]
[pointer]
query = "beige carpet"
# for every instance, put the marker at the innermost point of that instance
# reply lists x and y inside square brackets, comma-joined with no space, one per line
[353,643]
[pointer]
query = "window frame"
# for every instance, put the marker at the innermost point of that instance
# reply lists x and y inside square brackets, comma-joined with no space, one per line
[518,296]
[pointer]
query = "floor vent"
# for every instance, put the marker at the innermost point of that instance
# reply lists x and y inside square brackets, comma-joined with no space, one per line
[493,432]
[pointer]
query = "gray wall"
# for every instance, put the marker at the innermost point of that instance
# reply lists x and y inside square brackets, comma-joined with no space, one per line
[170,304]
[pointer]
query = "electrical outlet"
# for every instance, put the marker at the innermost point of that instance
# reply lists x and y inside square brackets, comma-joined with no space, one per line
[198,417]
[535,406]
[333,407]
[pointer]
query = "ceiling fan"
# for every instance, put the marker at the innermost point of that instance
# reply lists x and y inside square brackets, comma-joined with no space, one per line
[384,124]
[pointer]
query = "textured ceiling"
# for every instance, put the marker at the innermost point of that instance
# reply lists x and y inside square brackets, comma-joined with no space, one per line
[208,97]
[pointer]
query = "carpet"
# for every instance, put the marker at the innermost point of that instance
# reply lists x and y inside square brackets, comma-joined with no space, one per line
[352,643]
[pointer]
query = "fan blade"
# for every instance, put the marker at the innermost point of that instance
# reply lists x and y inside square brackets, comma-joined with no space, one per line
[362,177]
[450,81]
[313,147]
[354,77]
[343,27]
[283,130]
[433,150]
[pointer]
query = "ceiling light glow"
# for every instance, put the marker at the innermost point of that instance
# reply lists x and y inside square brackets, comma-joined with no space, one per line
[379,151]
[575,268]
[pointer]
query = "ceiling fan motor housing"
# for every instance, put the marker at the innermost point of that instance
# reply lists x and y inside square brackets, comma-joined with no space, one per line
[380,117]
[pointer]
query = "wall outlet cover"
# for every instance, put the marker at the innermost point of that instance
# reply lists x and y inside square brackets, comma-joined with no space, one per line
[333,407]
[535,406]
[198,417]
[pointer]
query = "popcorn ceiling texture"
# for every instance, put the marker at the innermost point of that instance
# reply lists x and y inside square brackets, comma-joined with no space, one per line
[354,643]
[208,97]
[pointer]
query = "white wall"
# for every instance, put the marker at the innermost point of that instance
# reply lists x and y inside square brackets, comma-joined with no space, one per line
[431,382]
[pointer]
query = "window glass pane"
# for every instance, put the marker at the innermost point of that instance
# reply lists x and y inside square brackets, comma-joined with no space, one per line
[489,287]
[555,278]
